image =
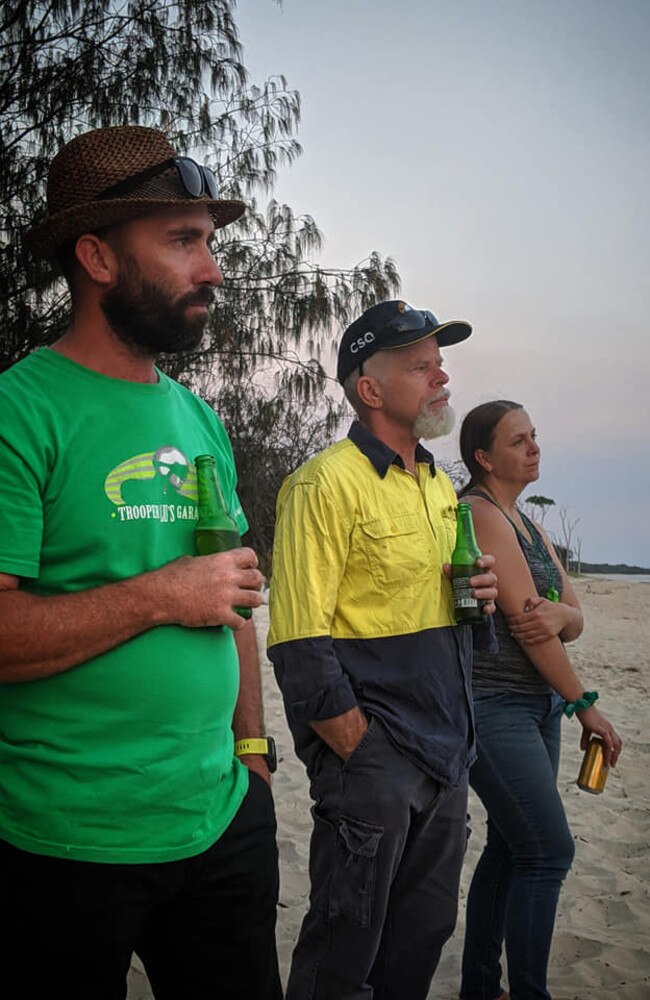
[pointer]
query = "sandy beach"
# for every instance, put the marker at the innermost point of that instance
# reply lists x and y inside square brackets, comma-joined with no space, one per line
[602,940]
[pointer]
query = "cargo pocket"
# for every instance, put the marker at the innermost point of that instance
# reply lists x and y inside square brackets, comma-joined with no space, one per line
[353,877]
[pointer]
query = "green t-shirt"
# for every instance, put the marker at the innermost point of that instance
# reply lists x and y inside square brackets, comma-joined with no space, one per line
[129,756]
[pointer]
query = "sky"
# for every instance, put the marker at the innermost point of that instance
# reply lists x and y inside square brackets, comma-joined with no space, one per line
[499,152]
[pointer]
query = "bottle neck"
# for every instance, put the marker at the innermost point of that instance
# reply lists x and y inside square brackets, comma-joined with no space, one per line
[210,498]
[465,537]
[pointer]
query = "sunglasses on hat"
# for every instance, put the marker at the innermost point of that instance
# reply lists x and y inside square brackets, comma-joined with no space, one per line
[412,320]
[408,321]
[197,181]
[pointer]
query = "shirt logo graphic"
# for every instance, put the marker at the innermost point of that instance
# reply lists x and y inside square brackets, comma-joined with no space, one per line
[151,485]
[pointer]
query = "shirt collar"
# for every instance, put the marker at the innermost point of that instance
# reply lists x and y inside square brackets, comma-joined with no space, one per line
[381,456]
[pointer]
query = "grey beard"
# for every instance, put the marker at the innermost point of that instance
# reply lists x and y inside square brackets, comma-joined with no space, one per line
[430,425]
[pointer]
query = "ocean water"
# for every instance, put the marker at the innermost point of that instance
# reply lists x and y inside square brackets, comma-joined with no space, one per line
[623,577]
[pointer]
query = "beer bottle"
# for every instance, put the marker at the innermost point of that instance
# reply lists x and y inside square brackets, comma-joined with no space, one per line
[215,529]
[467,609]
[593,773]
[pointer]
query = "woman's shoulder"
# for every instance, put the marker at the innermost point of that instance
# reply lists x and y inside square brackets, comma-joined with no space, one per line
[482,507]
[475,498]
[494,532]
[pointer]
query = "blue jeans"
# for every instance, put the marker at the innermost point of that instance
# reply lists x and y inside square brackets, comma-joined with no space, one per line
[529,848]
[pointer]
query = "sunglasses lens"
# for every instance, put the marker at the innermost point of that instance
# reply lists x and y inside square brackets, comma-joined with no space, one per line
[412,319]
[210,182]
[190,175]
[196,180]
[429,317]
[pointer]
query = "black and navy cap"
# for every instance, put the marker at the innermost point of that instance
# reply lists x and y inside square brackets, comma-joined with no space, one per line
[389,325]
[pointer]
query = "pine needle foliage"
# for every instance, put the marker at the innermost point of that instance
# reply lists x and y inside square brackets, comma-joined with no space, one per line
[67,66]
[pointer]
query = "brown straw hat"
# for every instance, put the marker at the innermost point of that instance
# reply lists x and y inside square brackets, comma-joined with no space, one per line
[82,175]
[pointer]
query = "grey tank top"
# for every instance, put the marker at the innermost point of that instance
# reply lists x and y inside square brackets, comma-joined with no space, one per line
[510,669]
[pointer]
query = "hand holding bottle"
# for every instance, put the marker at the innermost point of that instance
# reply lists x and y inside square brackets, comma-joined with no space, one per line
[474,593]
[483,582]
[206,591]
[215,530]
[594,723]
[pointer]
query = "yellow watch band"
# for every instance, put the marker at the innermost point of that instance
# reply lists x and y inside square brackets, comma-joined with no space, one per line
[263,745]
[251,746]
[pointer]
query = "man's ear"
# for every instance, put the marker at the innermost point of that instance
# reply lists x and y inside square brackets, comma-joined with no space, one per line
[369,392]
[97,258]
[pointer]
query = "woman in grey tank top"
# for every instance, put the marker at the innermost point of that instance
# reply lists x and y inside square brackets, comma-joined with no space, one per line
[519,697]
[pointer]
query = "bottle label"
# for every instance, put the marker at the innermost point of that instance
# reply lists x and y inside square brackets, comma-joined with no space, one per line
[463,593]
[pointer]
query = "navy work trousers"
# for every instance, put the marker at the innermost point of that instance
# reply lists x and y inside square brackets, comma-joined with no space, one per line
[386,853]
[204,927]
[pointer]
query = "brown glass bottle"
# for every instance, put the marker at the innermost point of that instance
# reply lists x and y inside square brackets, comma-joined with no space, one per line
[467,609]
[215,529]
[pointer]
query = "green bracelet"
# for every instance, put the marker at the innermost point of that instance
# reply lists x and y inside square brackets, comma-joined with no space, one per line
[587,700]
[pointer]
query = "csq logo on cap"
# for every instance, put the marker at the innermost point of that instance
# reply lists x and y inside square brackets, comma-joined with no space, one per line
[361,342]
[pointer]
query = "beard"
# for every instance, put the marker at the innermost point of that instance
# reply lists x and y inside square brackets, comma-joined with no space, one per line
[145,317]
[430,424]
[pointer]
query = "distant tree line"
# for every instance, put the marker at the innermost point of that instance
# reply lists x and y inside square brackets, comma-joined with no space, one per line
[621,568]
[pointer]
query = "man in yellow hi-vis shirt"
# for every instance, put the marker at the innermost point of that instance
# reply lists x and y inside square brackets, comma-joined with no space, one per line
[374,672]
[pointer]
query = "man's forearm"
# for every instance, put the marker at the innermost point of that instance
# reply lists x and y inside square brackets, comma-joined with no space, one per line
[42,636]
[248,719]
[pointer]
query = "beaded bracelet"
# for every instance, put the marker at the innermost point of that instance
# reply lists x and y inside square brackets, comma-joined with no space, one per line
[587,700]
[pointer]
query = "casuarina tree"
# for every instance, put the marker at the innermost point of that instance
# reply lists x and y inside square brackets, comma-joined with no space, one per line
[71,65]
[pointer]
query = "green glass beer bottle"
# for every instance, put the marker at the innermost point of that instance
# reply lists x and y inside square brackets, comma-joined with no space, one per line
[467,609]
[215,529]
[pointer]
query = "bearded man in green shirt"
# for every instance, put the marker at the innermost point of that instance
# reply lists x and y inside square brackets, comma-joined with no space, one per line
[127,820]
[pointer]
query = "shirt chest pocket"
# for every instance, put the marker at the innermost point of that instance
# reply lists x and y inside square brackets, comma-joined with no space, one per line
[399,550]
[448,530]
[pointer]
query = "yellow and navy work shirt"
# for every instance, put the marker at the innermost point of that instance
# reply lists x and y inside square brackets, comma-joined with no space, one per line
[361,611]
